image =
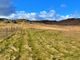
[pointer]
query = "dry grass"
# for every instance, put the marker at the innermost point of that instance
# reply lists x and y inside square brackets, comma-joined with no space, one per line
[39,42]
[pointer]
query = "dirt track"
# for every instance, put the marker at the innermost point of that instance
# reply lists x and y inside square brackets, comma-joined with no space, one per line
[52,27]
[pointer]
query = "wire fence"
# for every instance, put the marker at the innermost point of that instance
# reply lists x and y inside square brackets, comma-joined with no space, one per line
[4,32]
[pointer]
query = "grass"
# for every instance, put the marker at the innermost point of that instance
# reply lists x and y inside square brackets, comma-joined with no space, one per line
[38,44]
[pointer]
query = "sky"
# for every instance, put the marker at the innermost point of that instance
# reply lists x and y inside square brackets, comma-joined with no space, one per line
[40,9]
[60,6]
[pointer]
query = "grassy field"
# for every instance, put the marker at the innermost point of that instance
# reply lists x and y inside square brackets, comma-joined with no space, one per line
[18,43]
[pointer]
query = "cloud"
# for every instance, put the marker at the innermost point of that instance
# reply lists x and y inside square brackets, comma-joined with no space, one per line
[4,17]
[6,7]
[43,15]
[51,15]
[23,15]
[63,5]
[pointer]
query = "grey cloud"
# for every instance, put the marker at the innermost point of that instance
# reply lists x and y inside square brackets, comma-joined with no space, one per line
[6,7]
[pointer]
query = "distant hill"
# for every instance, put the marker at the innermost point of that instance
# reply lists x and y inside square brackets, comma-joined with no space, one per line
[69,21]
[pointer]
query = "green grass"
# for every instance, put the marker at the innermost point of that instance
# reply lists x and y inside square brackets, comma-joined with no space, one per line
[36,44]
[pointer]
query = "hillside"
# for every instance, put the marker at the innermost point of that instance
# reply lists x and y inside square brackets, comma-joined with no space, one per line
[71,21]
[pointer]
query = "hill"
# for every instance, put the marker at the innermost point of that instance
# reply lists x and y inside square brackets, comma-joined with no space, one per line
[70,21]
